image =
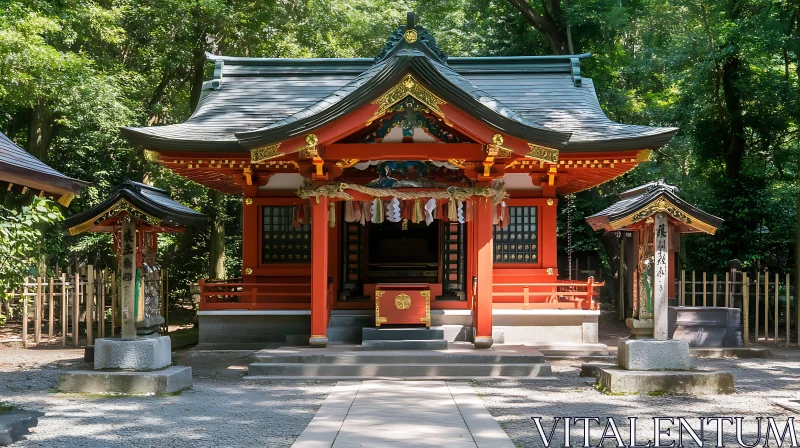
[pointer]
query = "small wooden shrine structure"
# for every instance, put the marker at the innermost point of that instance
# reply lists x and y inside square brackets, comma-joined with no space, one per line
[657,216]
[135,214]
[24,173]
[364,177]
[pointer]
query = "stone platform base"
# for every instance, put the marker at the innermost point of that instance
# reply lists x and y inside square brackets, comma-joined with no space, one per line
[732,352]
[149,353]
[350,362]
[618,381]
[14,425]
[171,379]
[649,354]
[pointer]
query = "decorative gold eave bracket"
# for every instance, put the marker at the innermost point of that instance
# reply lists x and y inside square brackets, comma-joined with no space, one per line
[408,86]
[495,150]
[258,155]
[662,205]
[542,153]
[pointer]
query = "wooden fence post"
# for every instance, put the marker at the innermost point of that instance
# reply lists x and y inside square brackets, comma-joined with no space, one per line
[758,302]
[727,290]
[777,284]
[788,316]
[76,309]
[37,312]
[24,297]
[705,289]
[694,289]
[746,308]
[683,287]
[166,302]
[113,301]
[714,291]
[89,298]
[765,320]
[64,309]
[101,309]
[50,308]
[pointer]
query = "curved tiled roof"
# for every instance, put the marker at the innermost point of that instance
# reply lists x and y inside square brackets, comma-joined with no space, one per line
[638,201]
[152,201]
[19,167]
[541,99]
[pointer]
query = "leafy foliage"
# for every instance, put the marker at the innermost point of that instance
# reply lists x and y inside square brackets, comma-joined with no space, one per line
[725,73]
[23,232]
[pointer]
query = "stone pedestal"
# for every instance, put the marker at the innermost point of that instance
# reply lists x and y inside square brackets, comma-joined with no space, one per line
[164,381]
[706,326]
[318,341]
[642,382]
[644,354]
[640,328]
[141,354]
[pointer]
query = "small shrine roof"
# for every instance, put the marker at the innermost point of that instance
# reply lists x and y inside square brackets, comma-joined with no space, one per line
[18,167]
[642,202]
[145,203]
[257,101]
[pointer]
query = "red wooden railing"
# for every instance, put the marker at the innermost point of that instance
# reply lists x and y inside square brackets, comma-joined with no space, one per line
[563,294]
[233,295]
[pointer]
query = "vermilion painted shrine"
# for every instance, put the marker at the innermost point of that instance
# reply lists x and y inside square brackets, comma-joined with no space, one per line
[414,188]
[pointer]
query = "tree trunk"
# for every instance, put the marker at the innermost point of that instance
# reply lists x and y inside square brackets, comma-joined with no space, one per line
[39,131]
[734,139]
[198,72]
[547,24]
[216,262]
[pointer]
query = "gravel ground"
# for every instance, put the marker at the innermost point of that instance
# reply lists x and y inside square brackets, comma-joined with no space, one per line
[758,382]
[221,410]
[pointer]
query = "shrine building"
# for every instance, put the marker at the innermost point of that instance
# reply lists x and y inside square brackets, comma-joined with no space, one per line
[409,189]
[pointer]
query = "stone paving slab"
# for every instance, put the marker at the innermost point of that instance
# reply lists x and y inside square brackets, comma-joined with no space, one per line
[403,414]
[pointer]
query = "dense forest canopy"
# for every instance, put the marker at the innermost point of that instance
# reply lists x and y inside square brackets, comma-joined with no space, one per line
[724,72]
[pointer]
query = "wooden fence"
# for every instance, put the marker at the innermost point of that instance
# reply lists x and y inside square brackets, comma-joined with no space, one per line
[71,306]
[770,311]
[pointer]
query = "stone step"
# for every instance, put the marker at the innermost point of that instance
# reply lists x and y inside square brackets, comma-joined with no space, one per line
[398,334]
[401,357]
[405,344]
[351,321]
[353,313]
[394,378]
[405,370]
[344,334]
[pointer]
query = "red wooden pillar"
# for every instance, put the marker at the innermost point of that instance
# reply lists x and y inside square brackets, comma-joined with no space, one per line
[547,235]
[319,272]
[484,249]
[250,234]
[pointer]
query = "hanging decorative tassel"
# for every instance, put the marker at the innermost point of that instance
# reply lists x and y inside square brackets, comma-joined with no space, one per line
[349,212]
[332,214]
[430,207]
[377,211]
[356,211]
[405,224]
[460,213]
[366,212]
[452,210]
[419,215]
[397,210]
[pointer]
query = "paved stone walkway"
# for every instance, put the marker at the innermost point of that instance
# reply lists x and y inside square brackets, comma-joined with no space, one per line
[403,414]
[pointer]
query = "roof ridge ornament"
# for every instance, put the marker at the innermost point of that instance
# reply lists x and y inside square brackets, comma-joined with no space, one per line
[414,36]
[408,86]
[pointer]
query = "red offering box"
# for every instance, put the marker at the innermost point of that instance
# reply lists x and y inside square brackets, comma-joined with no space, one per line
[407,303]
